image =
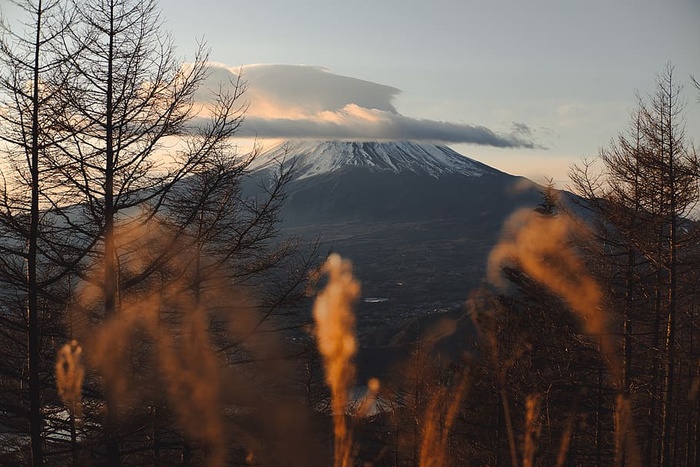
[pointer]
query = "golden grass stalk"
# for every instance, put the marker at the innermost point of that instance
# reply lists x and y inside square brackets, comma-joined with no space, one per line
[185,360]
[509,427]
[540,246]
[532,429]
[191,370]
[69,377]
[565,442]
[365,407]
[335,337]
[439,417]
[626,448]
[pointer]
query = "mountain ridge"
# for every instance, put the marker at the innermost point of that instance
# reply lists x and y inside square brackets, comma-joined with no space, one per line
[314,158]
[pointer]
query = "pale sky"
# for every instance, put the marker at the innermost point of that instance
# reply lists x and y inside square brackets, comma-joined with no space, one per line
[476,71]
[568,70]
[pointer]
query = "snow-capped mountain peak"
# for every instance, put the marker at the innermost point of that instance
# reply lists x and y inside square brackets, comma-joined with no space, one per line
[312,158]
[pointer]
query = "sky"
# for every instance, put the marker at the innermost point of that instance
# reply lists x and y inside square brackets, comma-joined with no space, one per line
[527,87]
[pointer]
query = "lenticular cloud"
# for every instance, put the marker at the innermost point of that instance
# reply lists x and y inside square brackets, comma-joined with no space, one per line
[295,101]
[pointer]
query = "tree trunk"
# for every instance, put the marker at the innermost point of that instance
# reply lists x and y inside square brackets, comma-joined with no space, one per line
[35,415]
[110,285]
[666,437]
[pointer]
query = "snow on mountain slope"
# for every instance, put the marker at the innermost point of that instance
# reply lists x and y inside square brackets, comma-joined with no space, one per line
[313,158]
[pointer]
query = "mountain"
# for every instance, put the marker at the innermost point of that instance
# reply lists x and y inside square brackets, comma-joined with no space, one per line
[369,182]
[417,220]
[313,158]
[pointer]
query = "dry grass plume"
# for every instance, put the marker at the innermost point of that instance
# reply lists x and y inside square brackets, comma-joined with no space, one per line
[542,247]
[69,377]
[335,336]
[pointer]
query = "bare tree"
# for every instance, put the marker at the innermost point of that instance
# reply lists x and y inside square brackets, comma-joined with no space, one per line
[125,102]
[642,199]
[28,98]
[677,166]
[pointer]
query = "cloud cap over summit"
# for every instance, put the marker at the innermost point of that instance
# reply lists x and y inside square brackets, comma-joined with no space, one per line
[297,101]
